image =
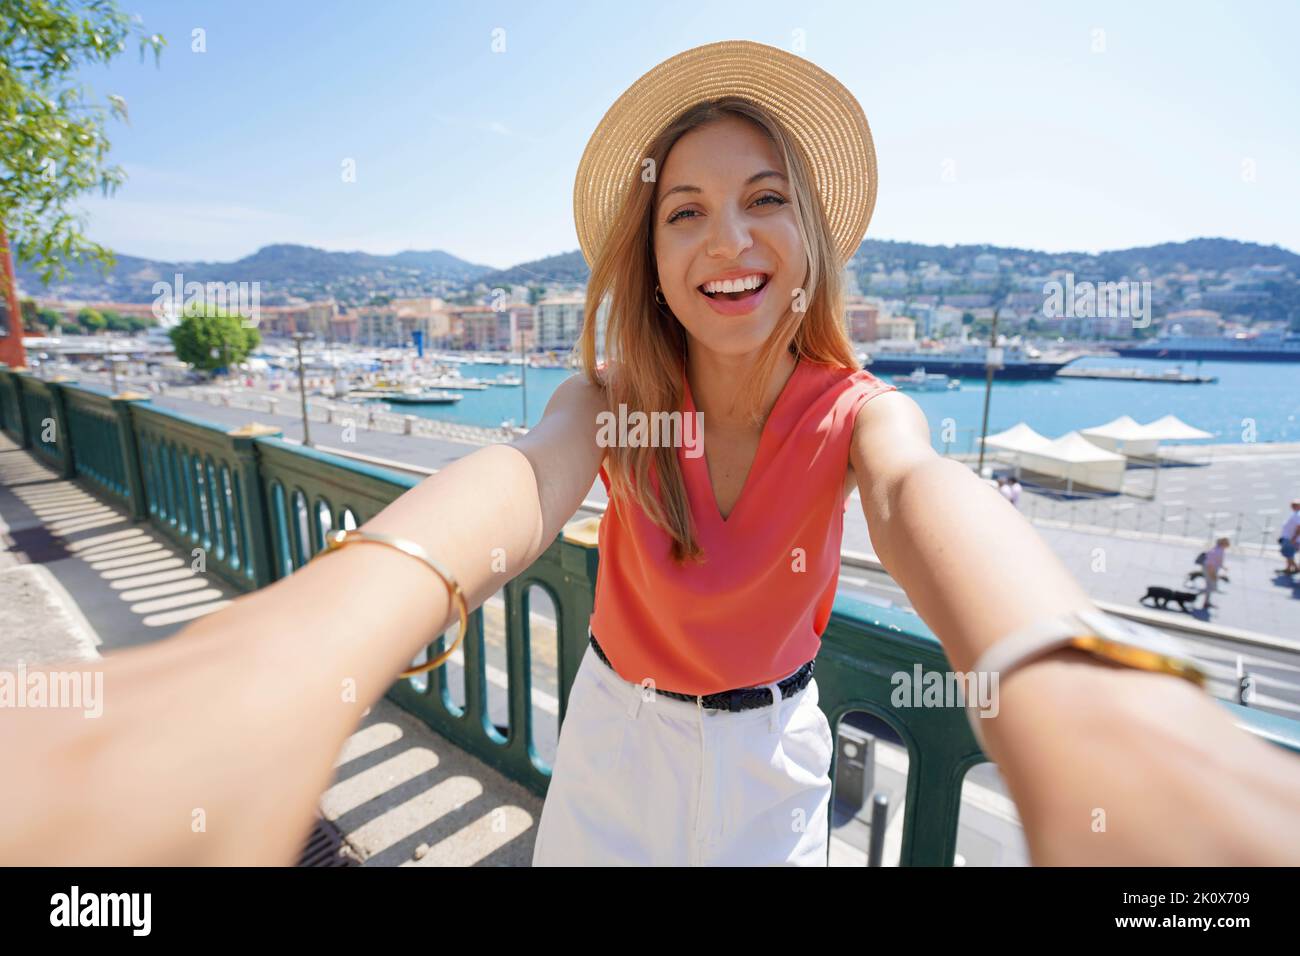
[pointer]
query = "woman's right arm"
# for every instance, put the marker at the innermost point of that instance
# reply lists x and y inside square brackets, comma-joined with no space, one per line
[214,745]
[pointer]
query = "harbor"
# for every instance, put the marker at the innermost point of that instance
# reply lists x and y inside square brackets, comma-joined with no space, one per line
[1241,401]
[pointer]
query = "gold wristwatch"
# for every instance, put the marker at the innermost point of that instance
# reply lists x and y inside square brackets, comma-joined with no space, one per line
[1094,632]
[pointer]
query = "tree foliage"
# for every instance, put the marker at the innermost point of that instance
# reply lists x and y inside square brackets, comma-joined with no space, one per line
[91,320]
[53,145]
[210,339]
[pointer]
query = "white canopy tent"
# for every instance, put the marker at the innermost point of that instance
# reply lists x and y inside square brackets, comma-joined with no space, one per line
[1173,428]
[1142,442]
[1071,458]
[1079,462]
[1123,434]
[1018,438]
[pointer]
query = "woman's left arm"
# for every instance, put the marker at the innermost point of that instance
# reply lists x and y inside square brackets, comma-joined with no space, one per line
[948,538]
[1073,735]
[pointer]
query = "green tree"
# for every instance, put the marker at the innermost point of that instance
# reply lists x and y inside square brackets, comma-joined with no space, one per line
[53,146]
[212,339]
[28,309]
[49,318]
[91,320]
[116,321]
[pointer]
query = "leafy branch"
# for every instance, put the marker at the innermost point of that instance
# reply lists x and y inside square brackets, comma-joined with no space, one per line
[53,141]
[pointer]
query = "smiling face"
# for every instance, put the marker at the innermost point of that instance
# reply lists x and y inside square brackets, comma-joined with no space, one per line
[726,239]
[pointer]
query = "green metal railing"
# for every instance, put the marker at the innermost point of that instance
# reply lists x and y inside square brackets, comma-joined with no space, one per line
[42,419]
[258,507]
[196,482]
[10,414]
[93,426]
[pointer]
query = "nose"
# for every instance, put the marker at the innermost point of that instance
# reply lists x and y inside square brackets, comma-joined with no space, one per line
[730,235]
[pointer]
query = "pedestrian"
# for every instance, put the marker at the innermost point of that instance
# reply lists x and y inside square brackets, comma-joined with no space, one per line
[1213,567]
[1014,485]
[1289,540]
[1004,487]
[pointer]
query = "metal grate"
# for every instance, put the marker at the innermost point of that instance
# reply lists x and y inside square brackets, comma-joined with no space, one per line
[324,847]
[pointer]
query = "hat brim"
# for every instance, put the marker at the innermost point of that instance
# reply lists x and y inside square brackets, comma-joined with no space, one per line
[822,116]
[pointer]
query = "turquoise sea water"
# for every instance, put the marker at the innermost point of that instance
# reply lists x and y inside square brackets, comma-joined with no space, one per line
[1265,394]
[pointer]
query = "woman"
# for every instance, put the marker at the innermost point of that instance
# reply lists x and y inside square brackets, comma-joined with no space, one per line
[716,582]
[1213,568]
[716,573]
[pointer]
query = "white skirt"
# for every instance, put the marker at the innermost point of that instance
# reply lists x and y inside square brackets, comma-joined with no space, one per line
[641,779]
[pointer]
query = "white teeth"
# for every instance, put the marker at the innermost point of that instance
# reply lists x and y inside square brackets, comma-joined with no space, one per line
[735,285]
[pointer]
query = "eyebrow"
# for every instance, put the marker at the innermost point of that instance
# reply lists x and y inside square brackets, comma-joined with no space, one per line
[696,189]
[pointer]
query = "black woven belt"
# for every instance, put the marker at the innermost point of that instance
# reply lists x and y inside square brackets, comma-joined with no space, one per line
[742,698]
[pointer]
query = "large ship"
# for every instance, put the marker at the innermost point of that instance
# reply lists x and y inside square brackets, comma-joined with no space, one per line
[965,360]
[1271,346]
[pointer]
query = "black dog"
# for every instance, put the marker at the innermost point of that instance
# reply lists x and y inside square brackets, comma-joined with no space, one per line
[1162,597]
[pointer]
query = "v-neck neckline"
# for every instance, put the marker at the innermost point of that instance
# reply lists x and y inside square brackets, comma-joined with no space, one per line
[705,477]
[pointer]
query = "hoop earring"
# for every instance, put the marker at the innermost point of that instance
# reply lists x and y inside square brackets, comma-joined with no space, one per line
[659,296]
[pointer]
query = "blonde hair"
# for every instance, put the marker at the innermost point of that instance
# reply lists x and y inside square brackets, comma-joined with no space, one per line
[645,343]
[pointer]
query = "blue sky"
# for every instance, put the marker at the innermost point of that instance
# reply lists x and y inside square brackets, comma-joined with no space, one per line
[994,122]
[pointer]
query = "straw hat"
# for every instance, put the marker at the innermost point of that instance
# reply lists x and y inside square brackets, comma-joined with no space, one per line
[821,115]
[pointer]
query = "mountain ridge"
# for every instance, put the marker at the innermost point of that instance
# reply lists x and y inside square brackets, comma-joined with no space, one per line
[292,269]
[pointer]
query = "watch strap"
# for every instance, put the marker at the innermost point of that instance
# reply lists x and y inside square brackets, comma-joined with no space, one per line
[1071,630]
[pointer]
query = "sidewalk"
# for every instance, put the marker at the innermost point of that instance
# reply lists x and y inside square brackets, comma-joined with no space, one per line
[1118,567]
[87,574]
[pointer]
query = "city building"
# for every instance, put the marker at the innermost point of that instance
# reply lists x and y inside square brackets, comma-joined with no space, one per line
[1193,322]
[860,317]
[895,327]
[560,318]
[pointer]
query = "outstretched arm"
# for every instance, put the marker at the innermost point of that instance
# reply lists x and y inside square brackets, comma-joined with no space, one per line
[1106,764]
[290,668]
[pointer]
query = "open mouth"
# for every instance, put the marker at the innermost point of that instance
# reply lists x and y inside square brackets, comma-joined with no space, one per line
[737,296]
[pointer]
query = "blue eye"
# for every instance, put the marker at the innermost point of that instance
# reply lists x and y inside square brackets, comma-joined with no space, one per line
[780,201]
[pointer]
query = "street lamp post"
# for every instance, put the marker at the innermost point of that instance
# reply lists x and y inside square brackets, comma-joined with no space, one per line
[989,366]
[302,385]
[523,377]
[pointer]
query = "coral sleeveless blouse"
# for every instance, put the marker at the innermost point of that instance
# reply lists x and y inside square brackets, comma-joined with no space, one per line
[756,610]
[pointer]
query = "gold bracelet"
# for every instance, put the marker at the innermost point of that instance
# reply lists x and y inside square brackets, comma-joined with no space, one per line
[340,539]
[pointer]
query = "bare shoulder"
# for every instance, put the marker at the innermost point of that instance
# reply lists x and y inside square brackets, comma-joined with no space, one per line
[890,431]
[569,423]
[563,448]
[577,391]
[890,411]
[577,399]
